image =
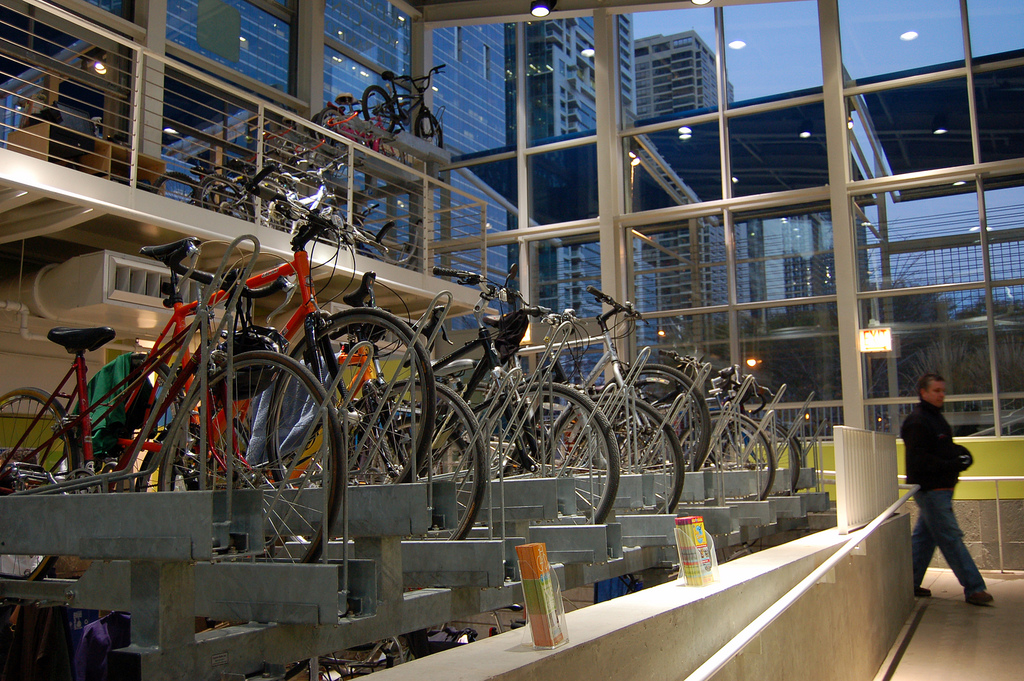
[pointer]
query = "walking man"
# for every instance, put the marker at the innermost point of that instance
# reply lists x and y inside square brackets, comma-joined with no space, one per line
[934,462]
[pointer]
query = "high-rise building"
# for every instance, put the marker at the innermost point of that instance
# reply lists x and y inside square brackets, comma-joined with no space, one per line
[675,73]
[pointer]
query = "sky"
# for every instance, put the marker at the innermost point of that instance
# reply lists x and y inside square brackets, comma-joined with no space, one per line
[782,46]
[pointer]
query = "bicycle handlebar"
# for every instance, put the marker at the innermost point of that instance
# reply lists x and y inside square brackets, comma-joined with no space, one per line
[617,307]
[464,277]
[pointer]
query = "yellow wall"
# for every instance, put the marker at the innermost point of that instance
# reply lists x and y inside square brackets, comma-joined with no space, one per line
[992,456]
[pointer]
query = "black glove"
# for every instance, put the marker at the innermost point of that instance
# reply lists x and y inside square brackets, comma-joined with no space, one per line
[964,457]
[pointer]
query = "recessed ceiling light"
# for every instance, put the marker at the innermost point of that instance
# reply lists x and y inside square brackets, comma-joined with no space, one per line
[700,2]
[959,183]
[685,130]
[908,36]
[737,44]
[170,131]
[588,52]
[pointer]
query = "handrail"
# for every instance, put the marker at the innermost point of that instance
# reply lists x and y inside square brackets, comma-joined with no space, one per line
[734,646]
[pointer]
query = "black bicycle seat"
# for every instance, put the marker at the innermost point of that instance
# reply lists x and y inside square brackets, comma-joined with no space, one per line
[81,340]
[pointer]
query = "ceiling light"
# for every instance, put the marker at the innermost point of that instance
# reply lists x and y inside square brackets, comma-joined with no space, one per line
[685,136]
[241,38]
[737,44]
[99,67]
[908,36]
[939,125]
[685,130]
[734,180]
[170,131]
[700,2]
[542,8]
[588,52]
[959,183]
[806,129]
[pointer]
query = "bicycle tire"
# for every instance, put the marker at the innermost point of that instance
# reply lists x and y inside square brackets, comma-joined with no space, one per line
[659,385]
[398,244]
[379,108]
[18,411]
[576,440]
[728,451]
[227,197]
[428,127]
[788,458]
[177,186]
[658,450]
[457,456]
[283,444]
[378,453]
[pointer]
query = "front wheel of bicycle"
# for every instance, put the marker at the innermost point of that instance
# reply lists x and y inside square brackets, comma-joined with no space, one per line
[270,427]
[650,446]
[427,127]
[457,466]
[661,385]
[379,109]
[743,446]
[388,402]
[575,440]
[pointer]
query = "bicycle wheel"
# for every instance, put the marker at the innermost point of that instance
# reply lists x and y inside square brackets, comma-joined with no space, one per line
[177,186]
[428,127]
[379,109]
[660,385]
[458,460]
[788,459]
[218,193]
[282,438]
[28,430]
[397,243]
[393,402]
[575,440]
[742,447]
[29,454]
[652,447]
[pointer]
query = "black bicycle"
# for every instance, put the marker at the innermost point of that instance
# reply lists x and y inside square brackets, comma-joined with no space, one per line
[401,103]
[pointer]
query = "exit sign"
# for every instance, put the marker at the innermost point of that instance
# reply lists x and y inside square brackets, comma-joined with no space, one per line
[876,339]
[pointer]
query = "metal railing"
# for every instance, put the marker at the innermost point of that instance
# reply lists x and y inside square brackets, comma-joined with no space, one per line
[733,648]
[84,97]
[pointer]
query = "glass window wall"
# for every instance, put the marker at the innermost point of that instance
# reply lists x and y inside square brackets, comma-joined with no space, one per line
[374,29]
[680,265]
[674,167]
[563,185]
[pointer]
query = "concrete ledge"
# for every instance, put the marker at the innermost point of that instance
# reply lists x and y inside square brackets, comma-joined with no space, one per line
[842,630]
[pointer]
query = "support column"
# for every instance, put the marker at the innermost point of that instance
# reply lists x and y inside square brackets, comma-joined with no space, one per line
[614,253]
[843,237]
[309,59]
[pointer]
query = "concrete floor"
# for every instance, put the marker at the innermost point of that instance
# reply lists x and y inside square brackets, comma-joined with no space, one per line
[947,638]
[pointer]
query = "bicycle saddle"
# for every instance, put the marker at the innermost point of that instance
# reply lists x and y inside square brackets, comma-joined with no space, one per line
[81,340]
[173,253]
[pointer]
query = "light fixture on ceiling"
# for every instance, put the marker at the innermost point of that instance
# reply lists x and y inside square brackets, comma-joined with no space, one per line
[685,132]
[908,36]
[737,44]
[939,125]
[99,67]
[700,2]
[542,8]
[806,129]
[587,52]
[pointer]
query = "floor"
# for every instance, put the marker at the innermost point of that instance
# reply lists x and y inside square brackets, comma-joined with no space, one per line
[947,638]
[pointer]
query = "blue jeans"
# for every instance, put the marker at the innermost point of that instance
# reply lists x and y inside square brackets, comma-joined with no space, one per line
[937,526]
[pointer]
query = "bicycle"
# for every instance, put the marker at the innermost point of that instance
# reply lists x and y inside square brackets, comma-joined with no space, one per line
[46,439]
[394,110]
[537,427]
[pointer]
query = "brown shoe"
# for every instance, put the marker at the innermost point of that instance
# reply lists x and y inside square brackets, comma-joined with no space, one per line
[979,598]
[921,592]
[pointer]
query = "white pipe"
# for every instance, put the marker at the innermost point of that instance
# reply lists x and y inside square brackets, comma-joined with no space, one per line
[23,312]
[760,623]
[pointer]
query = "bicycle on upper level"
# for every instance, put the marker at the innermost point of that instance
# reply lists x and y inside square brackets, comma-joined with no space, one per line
[400,105]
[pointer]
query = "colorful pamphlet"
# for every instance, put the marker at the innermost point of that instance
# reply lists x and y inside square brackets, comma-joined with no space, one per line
[544,612]
[697,563]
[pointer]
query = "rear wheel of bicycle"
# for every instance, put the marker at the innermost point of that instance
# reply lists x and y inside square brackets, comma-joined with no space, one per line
[379,109]
[27,433]
[28,457]
[650,447]
[283,438]
[742,446]
[660,385]
[388,404]
[218,193]
[178,186]
[457,466]
[428,127]
[575,440]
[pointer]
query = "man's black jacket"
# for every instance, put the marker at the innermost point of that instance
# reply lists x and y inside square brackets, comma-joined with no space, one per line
[933,460]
